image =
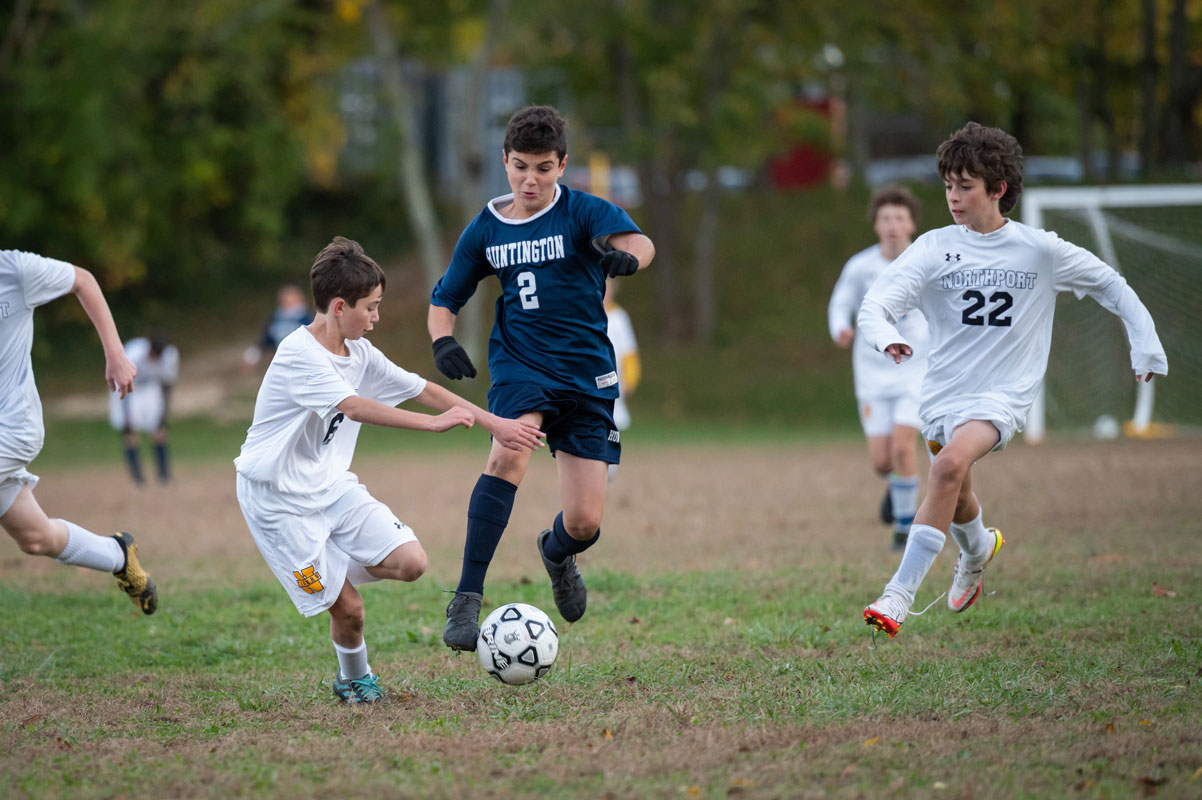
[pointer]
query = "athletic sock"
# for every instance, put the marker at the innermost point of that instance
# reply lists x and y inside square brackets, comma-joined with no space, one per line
[487,515]
[86,549]
[135,464]
[559,545]
[922,547]
[352,662]
[160,455]
[903,492]
[973,537]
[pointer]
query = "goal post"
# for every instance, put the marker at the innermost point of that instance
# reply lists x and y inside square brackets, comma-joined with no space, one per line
[1153,236]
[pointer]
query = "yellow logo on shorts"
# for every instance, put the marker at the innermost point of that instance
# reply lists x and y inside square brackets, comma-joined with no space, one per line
[867,410]
[309,579]
[934,447]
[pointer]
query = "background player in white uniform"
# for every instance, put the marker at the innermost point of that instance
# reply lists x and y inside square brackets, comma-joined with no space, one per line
[988,287]
[886,394]
[315,524]
[26,282]
[626,357]
[145,410]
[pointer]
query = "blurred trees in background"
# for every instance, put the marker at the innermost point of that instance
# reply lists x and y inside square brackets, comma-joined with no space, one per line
[185,151]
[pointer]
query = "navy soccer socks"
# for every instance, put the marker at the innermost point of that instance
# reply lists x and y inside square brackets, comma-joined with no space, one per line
[559,545]
[487,515]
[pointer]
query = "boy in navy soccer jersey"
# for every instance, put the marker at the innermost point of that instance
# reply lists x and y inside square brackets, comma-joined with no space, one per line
[549,358]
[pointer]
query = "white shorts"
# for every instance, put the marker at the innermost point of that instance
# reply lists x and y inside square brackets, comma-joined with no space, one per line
[13,475]
[879,415]
[939,432]
[309,553]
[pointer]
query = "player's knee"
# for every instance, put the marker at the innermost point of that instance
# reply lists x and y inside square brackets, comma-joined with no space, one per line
[412,566]
[349,613]
[948,470]
[33,542]
[581,526]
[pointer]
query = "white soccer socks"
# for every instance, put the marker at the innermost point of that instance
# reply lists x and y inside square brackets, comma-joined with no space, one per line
[86,549]
[352,663]
[922,548]
[973,538]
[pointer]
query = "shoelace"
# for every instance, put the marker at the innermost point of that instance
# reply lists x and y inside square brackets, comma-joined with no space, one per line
[908,612]
[367,687]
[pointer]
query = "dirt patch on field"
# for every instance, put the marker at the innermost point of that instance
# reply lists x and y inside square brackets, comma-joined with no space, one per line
[677,508]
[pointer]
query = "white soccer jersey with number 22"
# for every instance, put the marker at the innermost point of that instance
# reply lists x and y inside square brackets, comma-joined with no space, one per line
[989,300]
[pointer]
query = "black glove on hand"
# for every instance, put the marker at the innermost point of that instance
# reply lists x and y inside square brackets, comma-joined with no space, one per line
[619,264]
[451,359]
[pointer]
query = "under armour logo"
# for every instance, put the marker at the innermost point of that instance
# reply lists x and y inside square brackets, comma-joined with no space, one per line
[951,256]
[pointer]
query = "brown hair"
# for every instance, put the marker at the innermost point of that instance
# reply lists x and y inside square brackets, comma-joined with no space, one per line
[987,153]
[537,129]
[894,195]
[343,270]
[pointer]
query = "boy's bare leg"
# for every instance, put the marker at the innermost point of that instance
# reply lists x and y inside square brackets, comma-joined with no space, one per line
[405,563]
[354,682]
[34,532]
[68,543]
[582,484]
[949,473]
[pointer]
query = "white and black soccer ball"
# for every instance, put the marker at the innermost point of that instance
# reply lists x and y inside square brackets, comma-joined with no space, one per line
[518,643]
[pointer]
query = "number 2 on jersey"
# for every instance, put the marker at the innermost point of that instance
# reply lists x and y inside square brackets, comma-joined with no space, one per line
[976,301]
[527,289]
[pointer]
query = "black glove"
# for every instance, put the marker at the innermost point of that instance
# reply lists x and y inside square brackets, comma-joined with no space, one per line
[452,360]
[619,264]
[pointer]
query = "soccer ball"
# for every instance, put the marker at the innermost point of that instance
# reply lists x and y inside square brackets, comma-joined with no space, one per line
[518,644]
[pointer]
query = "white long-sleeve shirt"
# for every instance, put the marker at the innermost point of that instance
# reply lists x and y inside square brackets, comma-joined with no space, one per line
[989,300]
[874,376]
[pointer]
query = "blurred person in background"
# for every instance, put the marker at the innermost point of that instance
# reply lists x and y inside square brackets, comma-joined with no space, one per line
[887,395]
[291,312]
[626,357]
[26,282]
[145,410]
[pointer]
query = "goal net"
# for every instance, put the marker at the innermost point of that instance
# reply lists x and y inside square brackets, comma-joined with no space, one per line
[1153,236]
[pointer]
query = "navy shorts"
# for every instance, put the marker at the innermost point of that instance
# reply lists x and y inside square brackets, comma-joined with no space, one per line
[575,423]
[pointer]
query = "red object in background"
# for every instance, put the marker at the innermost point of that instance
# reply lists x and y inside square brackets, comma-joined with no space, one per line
[804,165]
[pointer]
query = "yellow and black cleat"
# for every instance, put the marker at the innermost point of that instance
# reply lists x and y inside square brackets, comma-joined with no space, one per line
[133,579]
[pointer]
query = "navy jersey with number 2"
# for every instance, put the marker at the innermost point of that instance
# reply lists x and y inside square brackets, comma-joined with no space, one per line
[550,327]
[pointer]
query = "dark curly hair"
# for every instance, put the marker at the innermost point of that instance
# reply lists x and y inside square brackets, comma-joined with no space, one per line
[987,153]
[537,129]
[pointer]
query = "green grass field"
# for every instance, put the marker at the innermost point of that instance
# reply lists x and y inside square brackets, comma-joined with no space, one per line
[722,654]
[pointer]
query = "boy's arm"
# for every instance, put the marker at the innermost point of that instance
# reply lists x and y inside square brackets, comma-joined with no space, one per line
[628,253]
[842,307]
[892,294]
[449,356]
[119,371]
[1084,273]
[373,412]
[511,433]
